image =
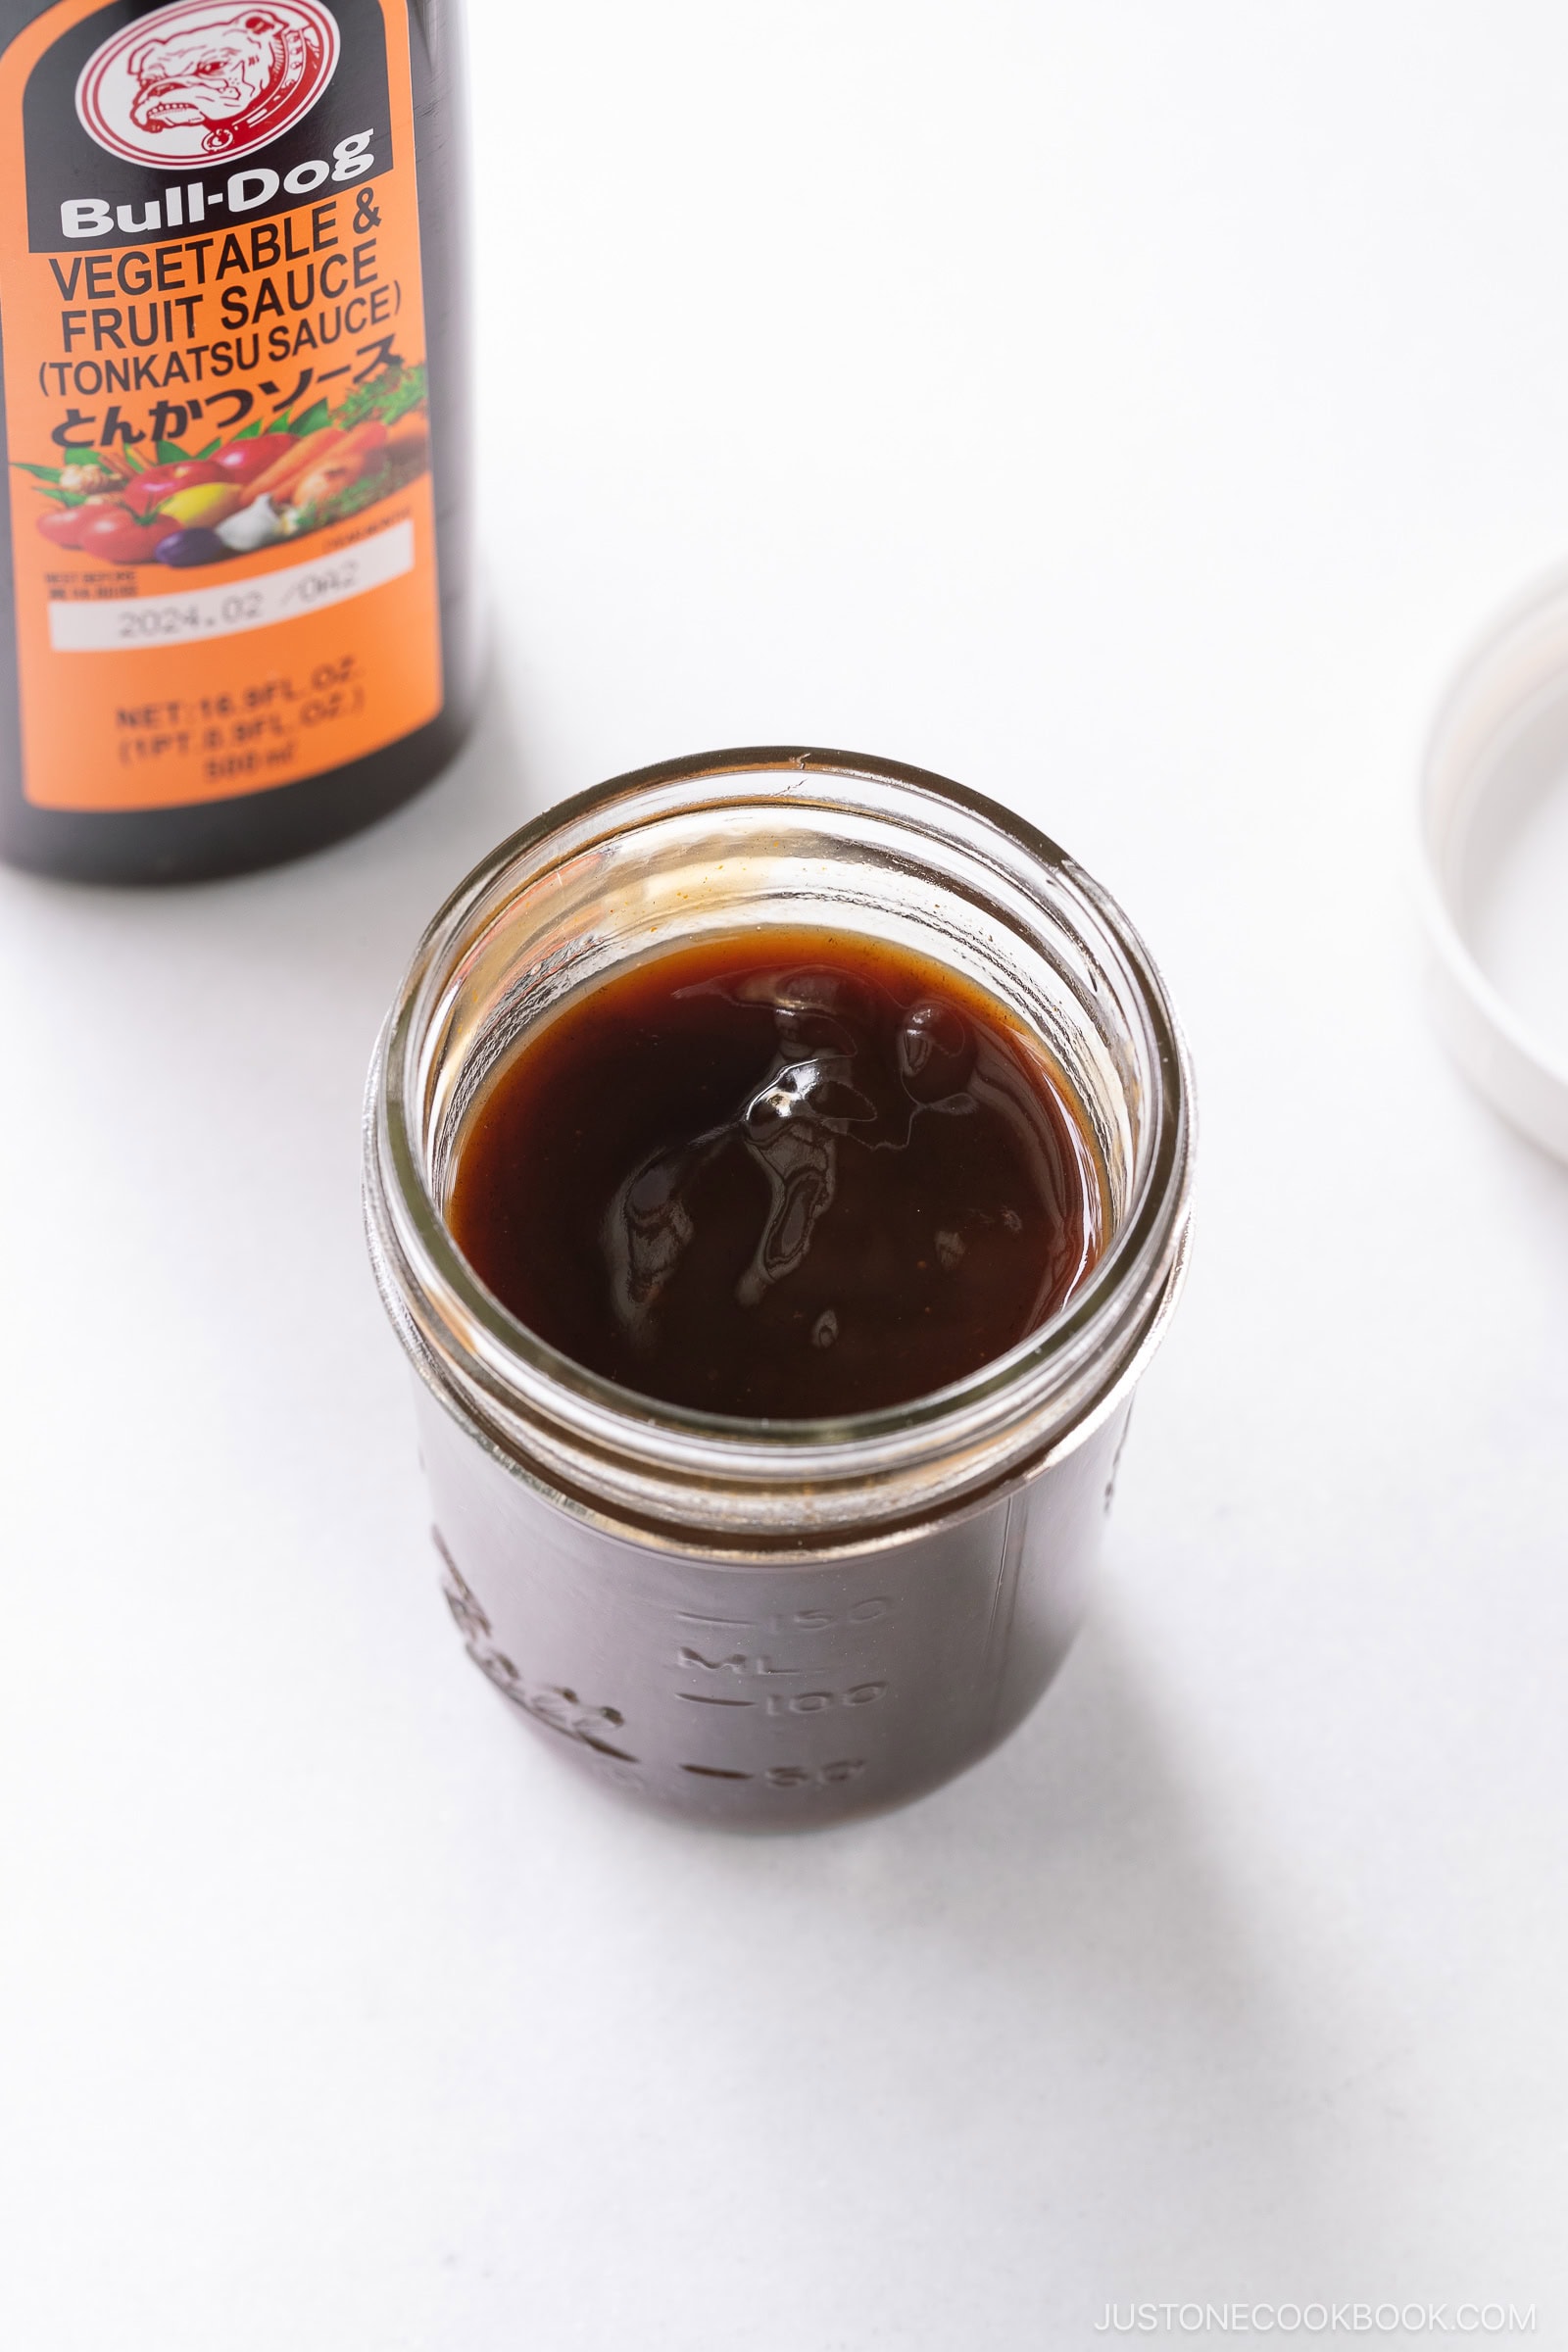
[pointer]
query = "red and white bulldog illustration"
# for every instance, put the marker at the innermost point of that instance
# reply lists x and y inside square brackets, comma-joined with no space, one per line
[230,76]
[199,80]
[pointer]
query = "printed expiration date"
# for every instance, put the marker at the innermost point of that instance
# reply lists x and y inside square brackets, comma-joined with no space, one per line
[160,622]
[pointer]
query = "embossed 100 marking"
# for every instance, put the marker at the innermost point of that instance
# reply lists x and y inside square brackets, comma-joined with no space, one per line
[790,1703]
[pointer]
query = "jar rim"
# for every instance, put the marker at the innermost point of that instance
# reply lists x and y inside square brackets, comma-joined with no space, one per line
[1144,1256]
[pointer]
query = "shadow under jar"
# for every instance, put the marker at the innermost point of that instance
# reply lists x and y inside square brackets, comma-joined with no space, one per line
[775,1624]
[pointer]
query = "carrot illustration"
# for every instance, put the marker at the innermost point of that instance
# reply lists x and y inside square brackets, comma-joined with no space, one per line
[360,439]
[293,462]
[331,440]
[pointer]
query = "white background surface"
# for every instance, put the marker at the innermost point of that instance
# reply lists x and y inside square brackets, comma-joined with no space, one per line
[1130,410]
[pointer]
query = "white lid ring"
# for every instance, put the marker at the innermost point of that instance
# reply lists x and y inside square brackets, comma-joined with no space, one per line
[1501,735]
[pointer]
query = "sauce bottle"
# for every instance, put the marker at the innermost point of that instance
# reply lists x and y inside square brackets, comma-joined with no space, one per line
[235,605]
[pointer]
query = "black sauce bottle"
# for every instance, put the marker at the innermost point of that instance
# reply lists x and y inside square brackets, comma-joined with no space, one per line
[235,605]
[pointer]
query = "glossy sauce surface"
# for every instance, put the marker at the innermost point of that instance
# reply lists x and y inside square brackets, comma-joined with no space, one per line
[789,1176]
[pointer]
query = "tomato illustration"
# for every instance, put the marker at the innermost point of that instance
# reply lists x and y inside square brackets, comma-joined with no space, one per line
[63,526]
[141,495]
[243,460]
[159,480]
[113,535]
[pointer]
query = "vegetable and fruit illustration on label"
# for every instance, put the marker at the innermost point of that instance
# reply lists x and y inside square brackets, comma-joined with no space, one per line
[280,481]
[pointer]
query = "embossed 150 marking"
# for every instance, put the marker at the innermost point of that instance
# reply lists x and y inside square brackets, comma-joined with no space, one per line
[798,1621]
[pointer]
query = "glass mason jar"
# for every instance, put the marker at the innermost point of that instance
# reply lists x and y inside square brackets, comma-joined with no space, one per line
[775,1624]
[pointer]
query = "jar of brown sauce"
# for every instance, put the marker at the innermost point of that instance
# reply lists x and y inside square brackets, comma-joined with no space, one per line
[777,1172]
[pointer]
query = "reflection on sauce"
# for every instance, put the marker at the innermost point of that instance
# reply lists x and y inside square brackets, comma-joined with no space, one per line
[792,1176]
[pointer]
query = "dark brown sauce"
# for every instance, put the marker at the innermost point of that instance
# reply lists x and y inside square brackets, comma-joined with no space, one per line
[791,1177]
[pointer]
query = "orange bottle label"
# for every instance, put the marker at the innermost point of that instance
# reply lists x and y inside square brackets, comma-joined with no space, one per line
[217,428]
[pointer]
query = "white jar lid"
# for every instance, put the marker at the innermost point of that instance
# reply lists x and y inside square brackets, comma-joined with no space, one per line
[1496,760]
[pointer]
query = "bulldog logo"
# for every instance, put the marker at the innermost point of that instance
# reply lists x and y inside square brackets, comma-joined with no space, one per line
[196,82]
